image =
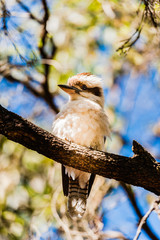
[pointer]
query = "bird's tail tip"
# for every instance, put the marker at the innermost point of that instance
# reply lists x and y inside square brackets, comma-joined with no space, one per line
[76,208]
[77,199]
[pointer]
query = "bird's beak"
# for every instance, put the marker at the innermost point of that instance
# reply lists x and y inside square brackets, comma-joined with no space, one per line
[69,89]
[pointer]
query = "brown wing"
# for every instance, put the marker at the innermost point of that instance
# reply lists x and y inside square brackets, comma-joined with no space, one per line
[91,180]
[65,181]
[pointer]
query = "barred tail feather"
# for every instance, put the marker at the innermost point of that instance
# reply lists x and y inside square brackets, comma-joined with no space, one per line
[77,199]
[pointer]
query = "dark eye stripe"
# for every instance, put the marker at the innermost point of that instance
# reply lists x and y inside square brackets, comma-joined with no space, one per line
[96,91]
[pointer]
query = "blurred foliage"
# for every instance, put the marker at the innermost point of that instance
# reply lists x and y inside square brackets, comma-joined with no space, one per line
[26,188]
[80,36]
[42,44]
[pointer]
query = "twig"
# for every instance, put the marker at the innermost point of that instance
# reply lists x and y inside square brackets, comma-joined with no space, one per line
[26,9]
[133,39]
[148,11]
[27,83]
[44,31]
[44,55]
[138,211]
[6,14]
[113,235]
[144,219]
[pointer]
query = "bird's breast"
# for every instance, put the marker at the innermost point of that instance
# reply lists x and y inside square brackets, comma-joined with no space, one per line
[81,124]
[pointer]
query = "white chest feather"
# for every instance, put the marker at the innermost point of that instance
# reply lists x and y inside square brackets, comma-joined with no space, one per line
[82,122]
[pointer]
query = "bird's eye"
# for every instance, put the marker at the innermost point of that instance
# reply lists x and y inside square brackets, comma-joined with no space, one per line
[84,87]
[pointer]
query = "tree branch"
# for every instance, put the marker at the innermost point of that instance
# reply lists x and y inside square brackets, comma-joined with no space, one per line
[140,170]
[45,55]
[25,8]
[131,196]
[144,219]
[47,97]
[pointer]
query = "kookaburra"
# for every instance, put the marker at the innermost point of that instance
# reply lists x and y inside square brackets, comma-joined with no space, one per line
[82,121]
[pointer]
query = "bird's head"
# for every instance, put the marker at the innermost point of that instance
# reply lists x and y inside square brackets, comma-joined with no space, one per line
[84,85]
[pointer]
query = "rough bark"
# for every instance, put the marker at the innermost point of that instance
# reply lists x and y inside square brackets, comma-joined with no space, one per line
[140,170]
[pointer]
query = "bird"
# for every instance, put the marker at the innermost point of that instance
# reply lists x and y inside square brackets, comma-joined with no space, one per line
[83,121]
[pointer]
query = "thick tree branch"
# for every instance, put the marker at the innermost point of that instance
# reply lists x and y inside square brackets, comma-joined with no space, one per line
[140,170]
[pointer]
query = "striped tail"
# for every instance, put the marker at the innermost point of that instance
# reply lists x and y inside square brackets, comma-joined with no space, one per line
[77,199]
